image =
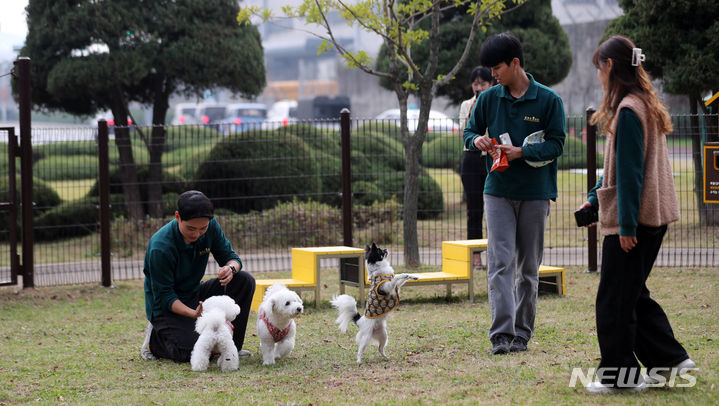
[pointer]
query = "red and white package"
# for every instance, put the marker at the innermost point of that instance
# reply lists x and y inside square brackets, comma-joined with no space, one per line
[500,158]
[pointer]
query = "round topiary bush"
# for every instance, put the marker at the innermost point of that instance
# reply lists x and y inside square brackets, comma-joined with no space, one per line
[443,152]
[70,219]
[379,148]
[171,183]
[430,202]
[366,193]
[66,167]
[246,173]
[575,154]
[44,197]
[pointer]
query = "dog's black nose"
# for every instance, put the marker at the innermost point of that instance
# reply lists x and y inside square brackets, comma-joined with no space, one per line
[299,310]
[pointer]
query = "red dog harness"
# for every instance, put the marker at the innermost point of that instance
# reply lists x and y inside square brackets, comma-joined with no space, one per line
[275,332]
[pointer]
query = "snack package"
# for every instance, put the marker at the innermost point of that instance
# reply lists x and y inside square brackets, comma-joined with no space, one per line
[535,138]
[500,158]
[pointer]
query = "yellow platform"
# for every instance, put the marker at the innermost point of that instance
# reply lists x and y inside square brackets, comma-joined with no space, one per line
[306,270]
[553,277]
[457,258]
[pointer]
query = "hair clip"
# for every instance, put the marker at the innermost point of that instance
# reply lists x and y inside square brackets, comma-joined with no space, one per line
[637,56]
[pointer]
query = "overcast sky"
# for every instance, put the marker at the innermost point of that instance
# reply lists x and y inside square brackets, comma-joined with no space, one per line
[12,17]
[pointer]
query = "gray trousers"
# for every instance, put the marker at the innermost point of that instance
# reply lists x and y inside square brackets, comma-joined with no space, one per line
[515,231]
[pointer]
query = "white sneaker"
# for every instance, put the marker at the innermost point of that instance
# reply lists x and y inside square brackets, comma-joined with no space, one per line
[598,387]
[145,352]
[666,375]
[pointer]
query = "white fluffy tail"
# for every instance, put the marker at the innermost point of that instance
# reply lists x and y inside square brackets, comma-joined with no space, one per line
[212,319]
[346,305]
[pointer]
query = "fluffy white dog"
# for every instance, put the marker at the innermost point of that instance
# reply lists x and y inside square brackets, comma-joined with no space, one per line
[215,329]
[382,298]
[275,322]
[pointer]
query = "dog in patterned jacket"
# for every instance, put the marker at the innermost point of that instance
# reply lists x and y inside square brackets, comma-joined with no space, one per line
[382,298]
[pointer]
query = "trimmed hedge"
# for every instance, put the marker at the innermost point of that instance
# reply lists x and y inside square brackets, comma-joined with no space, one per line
[68,220]
[443,152]
[66,167]
[430,202]
[44,197]
[266,175]
[575,154]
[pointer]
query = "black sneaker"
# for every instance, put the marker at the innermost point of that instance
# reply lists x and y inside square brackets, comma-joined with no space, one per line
[519,344]
[500,343]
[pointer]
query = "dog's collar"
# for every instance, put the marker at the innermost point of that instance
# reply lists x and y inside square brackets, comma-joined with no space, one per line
[275,332]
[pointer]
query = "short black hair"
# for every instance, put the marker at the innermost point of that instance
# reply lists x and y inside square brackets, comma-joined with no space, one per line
[194,204]
[501,48]
[481,72]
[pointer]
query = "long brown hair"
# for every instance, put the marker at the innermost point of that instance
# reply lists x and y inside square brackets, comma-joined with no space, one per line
[623,79]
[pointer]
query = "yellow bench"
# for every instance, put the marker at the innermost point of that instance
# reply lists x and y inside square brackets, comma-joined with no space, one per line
[457,258]
[552,278]
[306,270]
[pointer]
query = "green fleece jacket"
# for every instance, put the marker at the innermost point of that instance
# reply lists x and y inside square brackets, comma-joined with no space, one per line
[174,269]
[540,108]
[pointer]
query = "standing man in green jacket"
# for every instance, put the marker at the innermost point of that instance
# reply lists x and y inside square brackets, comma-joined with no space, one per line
[516,201]
[175,263]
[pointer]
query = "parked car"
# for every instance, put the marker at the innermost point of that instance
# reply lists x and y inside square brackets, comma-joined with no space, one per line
[211,113]
[243,117]
[438,121]
[185,113]
[282,113]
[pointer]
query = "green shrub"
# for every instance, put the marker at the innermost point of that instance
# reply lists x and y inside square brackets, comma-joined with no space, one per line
[171,184]
[177,137]
[66,148]
[366,193]
[430,202]
[66,167]
[317,138]
[139,153]
[381,150]
[386,128]
[380,221]
[443,152]
[70,219]
[289,224]
[272,170]
[575,154]
[188,158]
[44,197]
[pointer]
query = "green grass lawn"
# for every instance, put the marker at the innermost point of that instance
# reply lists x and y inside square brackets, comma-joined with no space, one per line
[72,189]
[79,345]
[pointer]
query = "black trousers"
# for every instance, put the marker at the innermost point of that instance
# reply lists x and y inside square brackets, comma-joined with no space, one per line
[630,324]
[173,336]
[474,173]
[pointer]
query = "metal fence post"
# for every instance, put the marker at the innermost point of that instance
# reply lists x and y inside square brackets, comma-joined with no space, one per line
[104,188]
[591,182]
[24,106]
[346,178]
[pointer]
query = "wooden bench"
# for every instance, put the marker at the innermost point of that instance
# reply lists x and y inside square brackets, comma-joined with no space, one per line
[551,278]
[457,265]
[306,270]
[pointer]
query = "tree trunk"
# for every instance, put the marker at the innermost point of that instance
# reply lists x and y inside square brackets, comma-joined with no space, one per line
[413,152]
[156,148]
[708,213]
[130,187]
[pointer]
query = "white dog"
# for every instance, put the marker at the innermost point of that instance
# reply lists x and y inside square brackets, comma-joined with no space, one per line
[275,322]
[382,298]
[215,329]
